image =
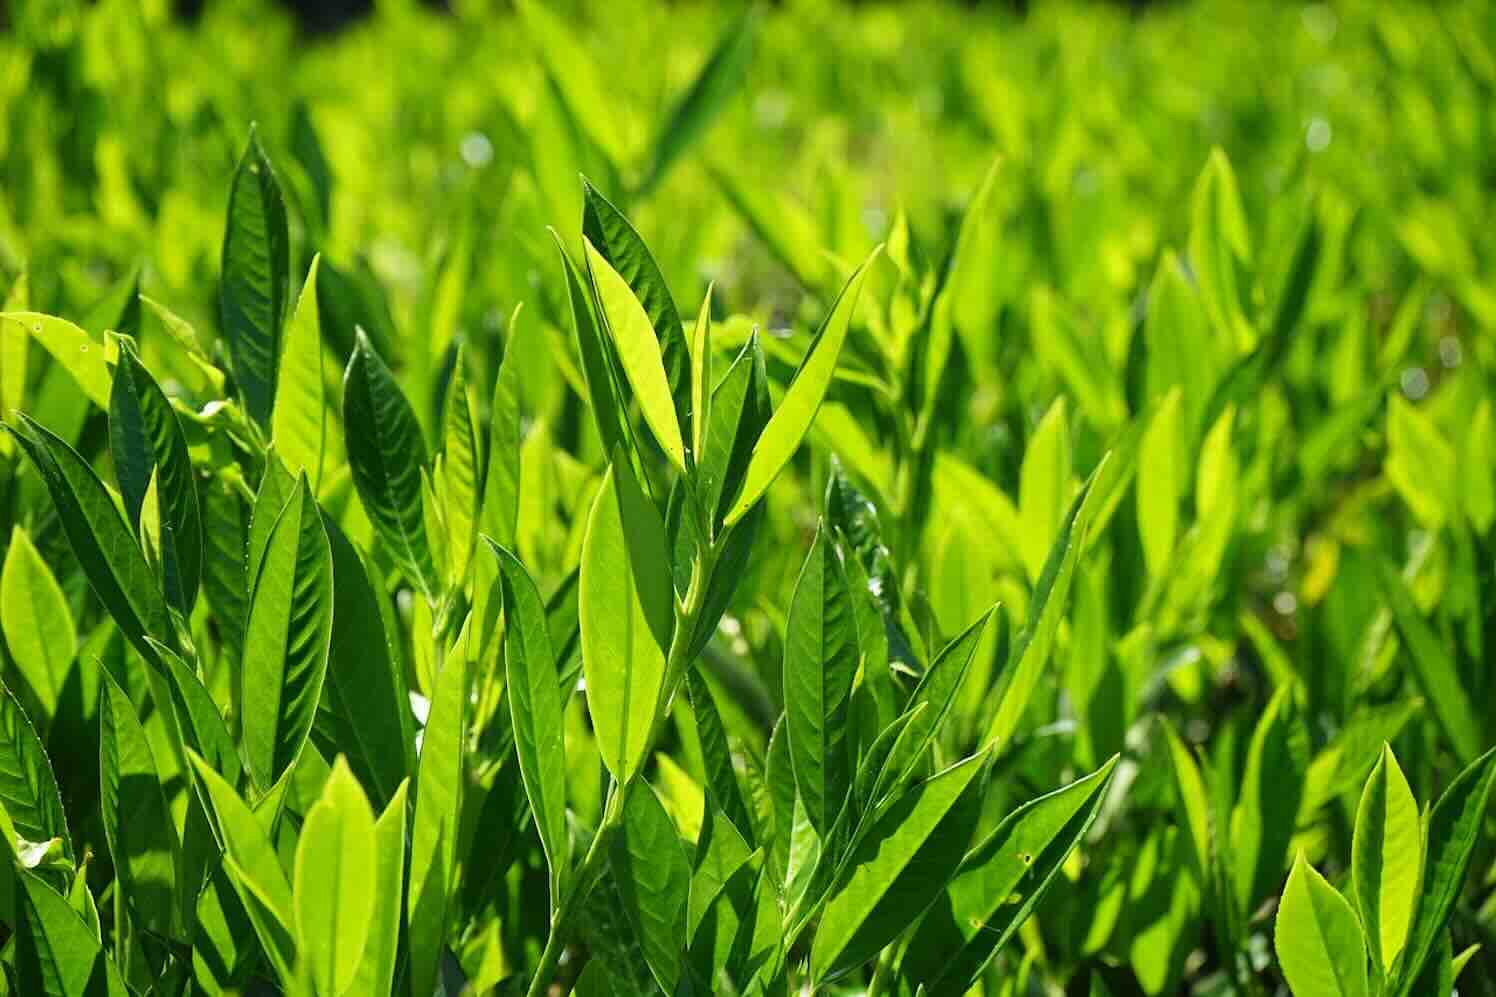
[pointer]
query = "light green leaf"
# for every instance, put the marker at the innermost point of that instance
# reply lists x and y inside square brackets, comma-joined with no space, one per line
[639,353]
[535,709]
[1044,485]
[132,803]
[1160,478]
[802,399]
[76,351]
[462,464]
[1387,859]
[1453,827]
[820,662]
[298,424]
[1194,801]
[256,274]
[28,788]
[1317,937]
[335,880]
[701,375]
[387,455]
[626,606]
[900,868]
[654,882]
[36,620]
[1421,463]
[500,516]
[286,640]
[1220,248]
[433,833]
[376,970]
[1000,882]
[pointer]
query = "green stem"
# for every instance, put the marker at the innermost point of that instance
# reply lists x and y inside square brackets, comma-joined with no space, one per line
[881,973]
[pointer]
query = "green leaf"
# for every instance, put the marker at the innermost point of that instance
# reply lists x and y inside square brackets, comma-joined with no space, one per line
[1433,667]
[201,726]
[1194,800]
[286,640]
[796,413]
[701,375]
[1387,859]
[500,516]
[1219,249]
[106,549]
[535,709]
[654,881]
[276,486]
[376,970]
[433,834]
[56,953]
[298,425]
[1044,485]
[721,780]
[1453,828]
[75,351]
[255,280]
[142,837]
[626,606]
[364,711]
[560,49]
[1421,464]
[1000,882]
[462,465]
[1046,608]
[900,868]
[1263,821]
[603,392]
[699,106]
[1317,937]
[639,353]
[387,455]
[335,881]
[28,788]
[939,685]
[1160,477]
[36,620]
[820,663]
[147,442]
[720,853]
[739,409]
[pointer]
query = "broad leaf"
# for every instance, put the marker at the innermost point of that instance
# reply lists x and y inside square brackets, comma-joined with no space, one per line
[1317,937]
[298,425]
[56,952]
[28,789]
[1387,859]
[335,881]
[35,618]
[654,881]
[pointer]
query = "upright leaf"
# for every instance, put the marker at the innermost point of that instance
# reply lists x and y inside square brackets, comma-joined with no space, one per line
[802,399]
[820,663]
[376,970]
[626,606]
[335,880]
[1317,937]
[287,639]
[254,283]
[56,952]
[1387,859]
[28,789]
[500,517]
[387,454]
[1263,822]
[462,467]
[535,709]
[35,618]
[639,353]
[298,425]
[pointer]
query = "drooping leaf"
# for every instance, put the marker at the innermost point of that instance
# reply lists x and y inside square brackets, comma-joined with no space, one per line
[802,399]
[78,353]
[1317,937]
[287,639]
[387,455]
[626,608]
[255,279]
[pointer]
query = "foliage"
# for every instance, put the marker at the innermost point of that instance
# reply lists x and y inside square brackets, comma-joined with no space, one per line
[974,504]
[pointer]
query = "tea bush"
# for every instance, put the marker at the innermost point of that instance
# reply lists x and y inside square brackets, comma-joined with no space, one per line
[950,501]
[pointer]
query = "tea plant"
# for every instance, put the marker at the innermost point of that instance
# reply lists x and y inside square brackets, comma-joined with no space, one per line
[998,549]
